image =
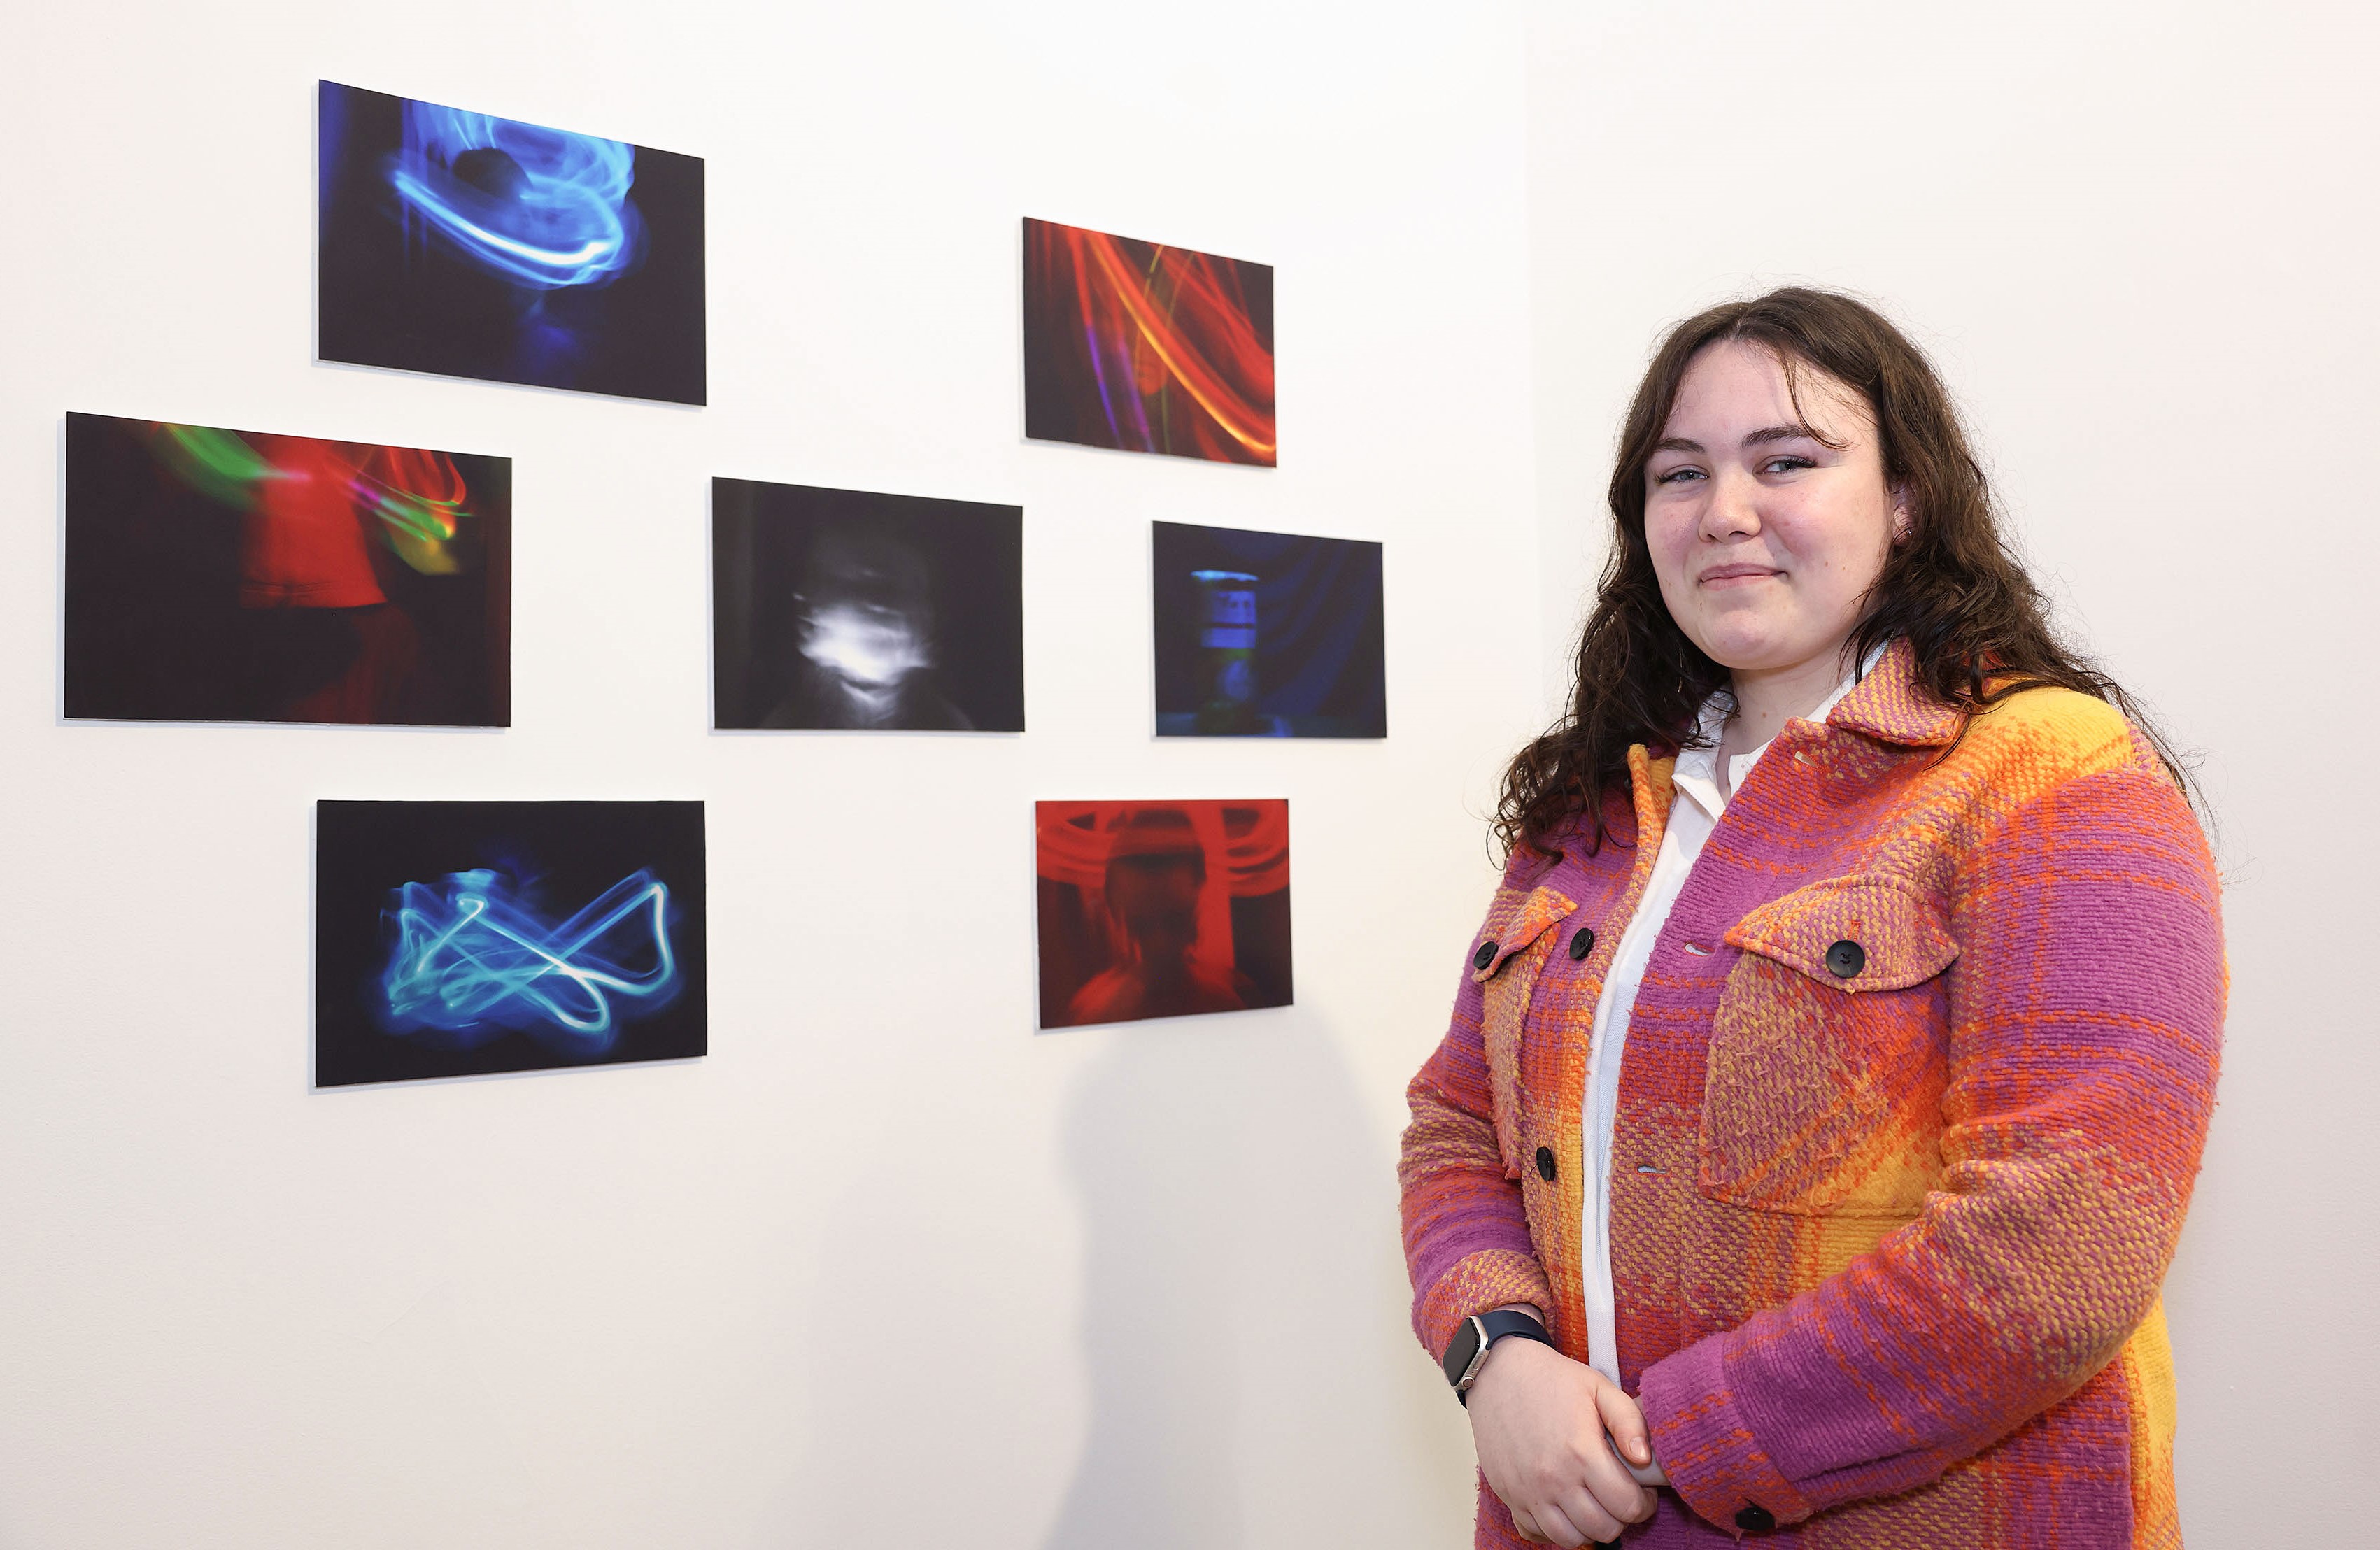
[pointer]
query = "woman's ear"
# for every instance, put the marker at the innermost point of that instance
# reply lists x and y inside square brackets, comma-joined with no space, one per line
[1903,515]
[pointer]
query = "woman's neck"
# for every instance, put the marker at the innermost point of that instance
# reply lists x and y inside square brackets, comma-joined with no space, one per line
[1766,698]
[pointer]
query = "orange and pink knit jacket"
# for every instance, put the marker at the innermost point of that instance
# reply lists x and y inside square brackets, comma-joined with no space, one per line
[1886,1247]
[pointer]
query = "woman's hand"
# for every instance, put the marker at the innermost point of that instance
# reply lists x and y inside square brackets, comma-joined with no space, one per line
[1538,1421]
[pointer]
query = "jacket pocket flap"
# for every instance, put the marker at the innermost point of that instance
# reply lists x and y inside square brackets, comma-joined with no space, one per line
[1515,921]
[1857,933]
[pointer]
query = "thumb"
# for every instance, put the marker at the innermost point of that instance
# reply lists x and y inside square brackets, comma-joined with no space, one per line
[1625,1421]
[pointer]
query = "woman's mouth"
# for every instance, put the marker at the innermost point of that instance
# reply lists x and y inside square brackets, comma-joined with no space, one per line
[1736,575]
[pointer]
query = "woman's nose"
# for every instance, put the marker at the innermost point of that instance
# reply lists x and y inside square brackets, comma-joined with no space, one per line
[1733,508]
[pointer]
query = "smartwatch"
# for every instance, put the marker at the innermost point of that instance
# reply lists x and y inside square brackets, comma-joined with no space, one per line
[1467,1353]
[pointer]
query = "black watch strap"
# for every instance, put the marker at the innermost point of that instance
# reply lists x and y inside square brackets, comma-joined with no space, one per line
[1476,1336]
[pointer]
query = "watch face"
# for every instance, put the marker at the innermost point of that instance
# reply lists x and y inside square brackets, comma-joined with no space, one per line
[1461,1349]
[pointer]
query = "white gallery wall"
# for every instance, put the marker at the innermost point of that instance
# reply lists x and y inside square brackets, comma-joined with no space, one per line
[887,1265]
[2138,240]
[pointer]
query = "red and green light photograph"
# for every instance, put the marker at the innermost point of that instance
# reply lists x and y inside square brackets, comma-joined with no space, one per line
[240,575]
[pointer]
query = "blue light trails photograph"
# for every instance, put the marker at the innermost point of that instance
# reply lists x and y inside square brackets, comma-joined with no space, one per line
[472,246]
[473,958]
[461,938]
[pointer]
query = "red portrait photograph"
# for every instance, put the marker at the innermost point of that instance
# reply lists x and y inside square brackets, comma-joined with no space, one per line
[1161,909]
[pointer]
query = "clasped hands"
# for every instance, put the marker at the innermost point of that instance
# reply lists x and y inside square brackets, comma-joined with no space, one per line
[1546,1427]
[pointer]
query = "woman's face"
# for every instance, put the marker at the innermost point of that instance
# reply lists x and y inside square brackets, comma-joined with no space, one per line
[1766,538]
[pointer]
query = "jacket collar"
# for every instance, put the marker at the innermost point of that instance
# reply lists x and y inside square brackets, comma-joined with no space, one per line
[1888,704]
[1649,790]
[1892,706]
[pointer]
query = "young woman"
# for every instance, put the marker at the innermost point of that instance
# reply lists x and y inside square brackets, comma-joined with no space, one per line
[1826,1087]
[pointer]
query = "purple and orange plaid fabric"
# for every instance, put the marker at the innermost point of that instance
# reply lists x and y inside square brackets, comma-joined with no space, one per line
[1886,1244]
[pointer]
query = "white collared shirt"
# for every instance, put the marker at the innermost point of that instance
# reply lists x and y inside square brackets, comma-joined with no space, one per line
[1695,803]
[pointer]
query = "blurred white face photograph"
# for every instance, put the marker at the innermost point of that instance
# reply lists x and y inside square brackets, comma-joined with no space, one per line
[867,613]
[848,610]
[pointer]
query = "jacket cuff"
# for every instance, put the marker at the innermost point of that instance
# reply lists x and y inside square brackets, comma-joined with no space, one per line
[1705,1443]
[1475,1284]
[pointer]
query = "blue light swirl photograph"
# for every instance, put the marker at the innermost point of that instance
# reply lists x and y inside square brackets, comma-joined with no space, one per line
[462,938]
[472,246]
[475,958]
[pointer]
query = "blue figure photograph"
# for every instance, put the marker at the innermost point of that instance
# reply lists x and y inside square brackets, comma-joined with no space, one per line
[471,246]
[1267,634]
[462,938]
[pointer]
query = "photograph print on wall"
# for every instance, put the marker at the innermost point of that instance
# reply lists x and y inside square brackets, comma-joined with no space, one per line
[460,939]
[471,246]
[1160,909]
[1266,635]
[1143,347]
[843,610]
[229,576]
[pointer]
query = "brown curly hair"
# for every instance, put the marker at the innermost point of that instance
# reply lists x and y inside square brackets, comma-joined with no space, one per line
[1952,586]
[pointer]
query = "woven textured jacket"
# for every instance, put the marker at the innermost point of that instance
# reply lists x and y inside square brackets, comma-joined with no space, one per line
[1888,1220]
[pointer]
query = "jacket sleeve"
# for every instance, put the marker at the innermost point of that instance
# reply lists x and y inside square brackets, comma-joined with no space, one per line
[1466,1237]
[2085,1026]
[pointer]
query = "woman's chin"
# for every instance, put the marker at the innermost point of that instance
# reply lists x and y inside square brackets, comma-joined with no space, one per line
[1745,650]
[1749,645]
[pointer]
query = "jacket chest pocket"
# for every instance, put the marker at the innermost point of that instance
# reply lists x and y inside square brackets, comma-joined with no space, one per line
[1505,964]
[1822,1094]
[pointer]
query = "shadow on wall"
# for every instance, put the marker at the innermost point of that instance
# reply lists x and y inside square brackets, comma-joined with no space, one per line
[1240,1312]
[1230,1253]
[1160,1156]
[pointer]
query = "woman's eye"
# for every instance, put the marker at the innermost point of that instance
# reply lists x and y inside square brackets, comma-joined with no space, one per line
[1786,465]
[1678,475]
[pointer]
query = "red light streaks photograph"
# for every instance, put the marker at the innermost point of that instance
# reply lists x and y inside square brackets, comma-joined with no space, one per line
[1143,347]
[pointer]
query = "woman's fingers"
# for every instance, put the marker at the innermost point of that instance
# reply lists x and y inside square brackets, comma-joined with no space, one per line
[1610,1487]
[1586,1514]
[1629,1443]
[1539,1421]
[1625,1420]
[1554,1526]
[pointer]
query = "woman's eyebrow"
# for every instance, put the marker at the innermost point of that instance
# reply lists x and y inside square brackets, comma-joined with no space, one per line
[1752,439]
